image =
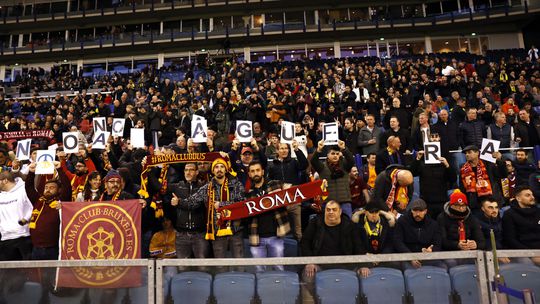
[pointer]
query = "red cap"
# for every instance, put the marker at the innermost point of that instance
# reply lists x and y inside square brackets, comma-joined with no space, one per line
[246,149]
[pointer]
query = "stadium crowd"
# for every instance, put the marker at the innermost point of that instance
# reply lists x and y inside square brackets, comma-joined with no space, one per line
[386,112]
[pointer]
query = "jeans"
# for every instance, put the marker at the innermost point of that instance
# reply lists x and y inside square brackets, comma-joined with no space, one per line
[272,247]
[234,243]
[191,244]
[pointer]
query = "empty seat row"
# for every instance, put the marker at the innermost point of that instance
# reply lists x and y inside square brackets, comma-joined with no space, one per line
[236,287]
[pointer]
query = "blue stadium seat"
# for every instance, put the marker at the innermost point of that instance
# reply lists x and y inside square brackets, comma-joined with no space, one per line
[428,285]
[465,283]
[520,276]
[279,287]
[191,287]
[337,286]
[30,293]
[234,287]
[383,281]
[291,247]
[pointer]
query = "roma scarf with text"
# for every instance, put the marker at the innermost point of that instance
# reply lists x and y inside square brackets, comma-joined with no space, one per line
[49,134]
[279,199]
[156,160]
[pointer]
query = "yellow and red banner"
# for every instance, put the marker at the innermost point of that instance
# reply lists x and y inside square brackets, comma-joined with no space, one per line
[100,231]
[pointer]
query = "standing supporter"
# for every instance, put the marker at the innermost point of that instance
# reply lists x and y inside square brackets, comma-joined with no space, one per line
[391,155]
[92,190]
[339,162]
[190,223]
[83,166]
[222,190]
[527,130]
[45,222]
[369,136]
[481,178]
[359,189]
[15,214]
[503,132]
[267,230]
[472,130]
[288,170]
[435,182]
[397,131]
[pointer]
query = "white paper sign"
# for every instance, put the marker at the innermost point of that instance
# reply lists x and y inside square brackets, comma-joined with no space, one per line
[100,140]
[45,161]
[244,131]
[53,147]
[302,145]
[488,147]
[71,142]
[99,124]
[199,130]
[118,127]
[287,132]
[432,152]
[137,137]
[23,149]
[330,133]
[198,117]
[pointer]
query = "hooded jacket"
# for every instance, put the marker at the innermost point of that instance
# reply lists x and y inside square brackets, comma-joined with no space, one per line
[412,236]
[14,206]
[521,227]
[449,228]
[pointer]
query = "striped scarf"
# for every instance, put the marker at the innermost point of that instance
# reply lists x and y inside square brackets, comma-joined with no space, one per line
[211,227]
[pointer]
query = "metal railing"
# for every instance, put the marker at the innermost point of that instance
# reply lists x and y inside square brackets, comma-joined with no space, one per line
[483,261]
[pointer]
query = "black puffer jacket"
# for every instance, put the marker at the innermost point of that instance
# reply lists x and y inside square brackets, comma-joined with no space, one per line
[521,227]
[386,238]
[449,228]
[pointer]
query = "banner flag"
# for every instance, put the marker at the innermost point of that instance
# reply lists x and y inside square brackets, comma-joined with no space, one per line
[261,204]
[100,231]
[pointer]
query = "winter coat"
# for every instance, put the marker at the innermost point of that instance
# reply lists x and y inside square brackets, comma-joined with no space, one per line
[388,221]
[313,236]
[449,228]
[521,227]
[412,236]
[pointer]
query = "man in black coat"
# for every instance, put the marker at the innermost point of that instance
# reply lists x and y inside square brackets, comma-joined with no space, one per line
[435,181]
[521,223]
[490,219]
[473,130]
[327,235]
[416,231]
[389,156]
[398,179]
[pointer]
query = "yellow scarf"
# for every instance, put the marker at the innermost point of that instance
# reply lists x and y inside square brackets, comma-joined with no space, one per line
[210,226]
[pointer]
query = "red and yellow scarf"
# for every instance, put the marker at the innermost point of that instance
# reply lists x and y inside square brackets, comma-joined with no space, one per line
[397,193]
[37,213]
[476,182]
[224,229]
